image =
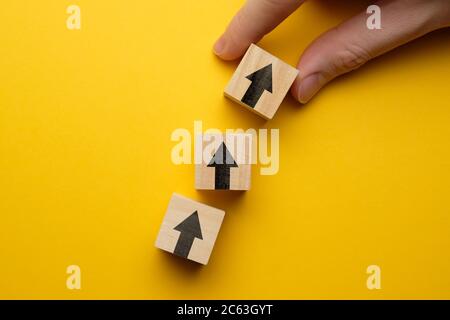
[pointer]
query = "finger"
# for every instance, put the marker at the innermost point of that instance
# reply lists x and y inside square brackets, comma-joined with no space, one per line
[255,19]
[351,44]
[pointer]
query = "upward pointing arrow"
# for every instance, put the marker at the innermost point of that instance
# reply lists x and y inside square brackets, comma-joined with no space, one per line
[261,80]
[222,161]
[189,230]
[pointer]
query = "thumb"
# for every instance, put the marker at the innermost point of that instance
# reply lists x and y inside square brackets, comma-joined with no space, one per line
[254,20]
[352,44]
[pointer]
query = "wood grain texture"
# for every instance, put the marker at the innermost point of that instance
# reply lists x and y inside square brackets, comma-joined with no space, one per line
[239,147]
[239,87]
[180,208]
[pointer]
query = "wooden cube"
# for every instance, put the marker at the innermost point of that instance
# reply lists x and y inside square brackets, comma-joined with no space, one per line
[223,161]
[261,82]
[189,229]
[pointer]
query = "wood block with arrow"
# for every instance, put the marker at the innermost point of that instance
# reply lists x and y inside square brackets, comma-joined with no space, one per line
[189,229]
[261,82]
[225,161]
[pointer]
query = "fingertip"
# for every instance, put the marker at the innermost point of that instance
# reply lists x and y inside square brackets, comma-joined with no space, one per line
[219,46]
[305,88]
[309,86]
[225,48]
[254,20]
[295,88]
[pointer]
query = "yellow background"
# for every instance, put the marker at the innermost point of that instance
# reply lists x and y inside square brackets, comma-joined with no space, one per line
[86,175]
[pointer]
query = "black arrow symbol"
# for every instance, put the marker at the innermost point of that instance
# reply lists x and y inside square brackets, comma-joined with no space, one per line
[261,80]
[189,230]
[222,161]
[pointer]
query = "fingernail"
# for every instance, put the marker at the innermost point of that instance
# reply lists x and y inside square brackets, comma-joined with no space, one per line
[219,46]
[308,87]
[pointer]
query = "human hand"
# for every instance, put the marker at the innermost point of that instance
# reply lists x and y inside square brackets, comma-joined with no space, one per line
[341,49]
